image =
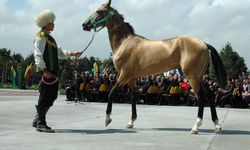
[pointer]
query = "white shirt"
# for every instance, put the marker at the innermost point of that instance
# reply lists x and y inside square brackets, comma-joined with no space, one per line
[39,47]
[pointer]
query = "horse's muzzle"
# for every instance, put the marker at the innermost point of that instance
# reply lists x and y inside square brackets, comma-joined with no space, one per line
[85,27]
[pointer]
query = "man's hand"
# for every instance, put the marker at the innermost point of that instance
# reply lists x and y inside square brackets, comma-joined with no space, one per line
[48,74]
[76,54]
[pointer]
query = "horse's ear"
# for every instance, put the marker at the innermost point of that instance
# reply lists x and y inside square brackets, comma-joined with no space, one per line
[109,2]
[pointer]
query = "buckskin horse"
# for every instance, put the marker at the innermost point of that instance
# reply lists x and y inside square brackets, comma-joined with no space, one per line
[136,56]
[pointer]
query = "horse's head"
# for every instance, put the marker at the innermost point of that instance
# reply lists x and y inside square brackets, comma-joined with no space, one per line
[99,18]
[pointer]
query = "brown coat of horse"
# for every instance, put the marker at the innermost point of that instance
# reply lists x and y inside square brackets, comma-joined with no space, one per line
[136,56]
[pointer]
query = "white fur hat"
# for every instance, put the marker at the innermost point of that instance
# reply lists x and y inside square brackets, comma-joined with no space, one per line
[45,17]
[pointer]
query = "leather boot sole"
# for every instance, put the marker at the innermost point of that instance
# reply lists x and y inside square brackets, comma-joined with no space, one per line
[45,130]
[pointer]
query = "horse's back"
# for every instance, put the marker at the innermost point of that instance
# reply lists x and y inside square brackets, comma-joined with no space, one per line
[194,44]
[149,56]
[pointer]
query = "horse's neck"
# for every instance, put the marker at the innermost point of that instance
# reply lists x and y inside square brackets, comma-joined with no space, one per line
[118,32]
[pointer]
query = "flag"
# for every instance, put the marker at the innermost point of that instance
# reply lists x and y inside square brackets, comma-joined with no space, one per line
[106,69]
[13,71]
[95,69]
[102,69]
[28,72]
[14,74]
[19,74]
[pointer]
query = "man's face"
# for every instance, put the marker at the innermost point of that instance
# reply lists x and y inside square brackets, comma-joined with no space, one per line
[50,26]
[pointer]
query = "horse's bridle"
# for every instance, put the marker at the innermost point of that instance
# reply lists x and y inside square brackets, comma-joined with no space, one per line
[102,20]
[96,23]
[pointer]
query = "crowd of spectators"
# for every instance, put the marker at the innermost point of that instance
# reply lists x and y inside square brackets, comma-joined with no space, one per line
[159,90]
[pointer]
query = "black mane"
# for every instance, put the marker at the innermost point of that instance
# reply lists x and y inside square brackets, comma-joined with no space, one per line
[130,28]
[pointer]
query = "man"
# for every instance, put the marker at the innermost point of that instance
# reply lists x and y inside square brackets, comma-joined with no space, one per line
[46,53]
[227,93]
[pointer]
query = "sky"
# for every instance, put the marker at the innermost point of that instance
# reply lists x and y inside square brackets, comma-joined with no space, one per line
[213,21]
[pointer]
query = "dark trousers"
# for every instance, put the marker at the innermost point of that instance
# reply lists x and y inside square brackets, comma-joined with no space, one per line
[48,94]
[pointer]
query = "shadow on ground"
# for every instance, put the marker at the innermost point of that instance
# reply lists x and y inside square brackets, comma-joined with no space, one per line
[223,132]
[108,131]
[112,131]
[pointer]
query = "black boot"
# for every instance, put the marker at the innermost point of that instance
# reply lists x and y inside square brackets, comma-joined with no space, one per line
[41,123]
[34,123]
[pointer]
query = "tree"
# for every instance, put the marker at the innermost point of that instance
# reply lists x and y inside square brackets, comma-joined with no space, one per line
[234,64]
[65,72]
[17,58]
[29,59]
[5,60]
[84,65]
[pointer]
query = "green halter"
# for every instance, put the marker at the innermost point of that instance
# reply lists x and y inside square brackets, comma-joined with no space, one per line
[100,21]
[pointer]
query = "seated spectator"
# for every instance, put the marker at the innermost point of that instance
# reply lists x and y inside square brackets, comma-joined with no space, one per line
[151,89]
[73,90]
[86,85]
[184,90]
[227,94]
[112,81]
[246,91]
[104,84]
[184,85]
[237,95]
[140,82]
[174,90]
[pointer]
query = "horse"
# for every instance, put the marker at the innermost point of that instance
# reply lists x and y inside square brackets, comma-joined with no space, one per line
[135,56]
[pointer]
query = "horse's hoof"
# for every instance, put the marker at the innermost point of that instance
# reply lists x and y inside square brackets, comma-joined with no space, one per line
[130,125]
[107,122]
[194,131]
[217,129]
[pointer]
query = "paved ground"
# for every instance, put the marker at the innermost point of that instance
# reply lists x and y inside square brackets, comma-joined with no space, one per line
[81,127]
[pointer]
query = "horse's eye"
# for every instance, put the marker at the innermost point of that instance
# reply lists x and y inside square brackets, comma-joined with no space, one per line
[99,11]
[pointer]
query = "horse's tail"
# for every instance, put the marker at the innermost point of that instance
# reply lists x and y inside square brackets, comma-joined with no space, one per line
[219,68]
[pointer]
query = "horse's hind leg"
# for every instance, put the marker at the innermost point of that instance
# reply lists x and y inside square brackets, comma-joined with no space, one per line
[132,90]
[195,83]
[198,122]
[214,116]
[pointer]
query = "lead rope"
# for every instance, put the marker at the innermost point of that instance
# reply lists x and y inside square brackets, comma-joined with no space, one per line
[91,40]
[53,82]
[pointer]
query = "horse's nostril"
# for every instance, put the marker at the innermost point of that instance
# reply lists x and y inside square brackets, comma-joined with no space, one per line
[83,25]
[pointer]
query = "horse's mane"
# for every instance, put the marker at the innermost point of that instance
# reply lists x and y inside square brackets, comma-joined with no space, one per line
[130,28]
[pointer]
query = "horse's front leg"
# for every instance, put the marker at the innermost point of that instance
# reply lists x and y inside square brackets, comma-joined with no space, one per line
[134,113]
[132,90]
[109,106]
